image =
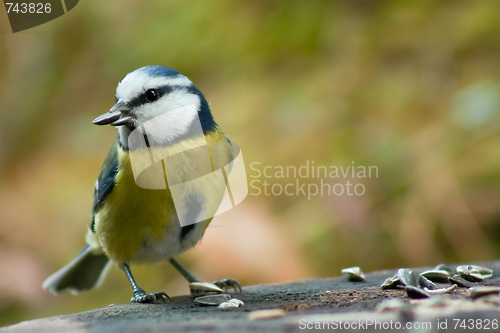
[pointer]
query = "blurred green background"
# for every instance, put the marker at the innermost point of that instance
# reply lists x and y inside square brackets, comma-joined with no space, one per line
[412,87]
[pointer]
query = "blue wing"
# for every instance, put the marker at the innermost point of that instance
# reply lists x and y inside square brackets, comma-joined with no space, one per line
[106,181]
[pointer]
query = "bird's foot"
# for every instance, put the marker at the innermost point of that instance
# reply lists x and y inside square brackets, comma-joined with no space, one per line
[141,297]
[228,283]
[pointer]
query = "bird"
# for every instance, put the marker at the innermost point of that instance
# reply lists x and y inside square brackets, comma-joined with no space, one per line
[165,128]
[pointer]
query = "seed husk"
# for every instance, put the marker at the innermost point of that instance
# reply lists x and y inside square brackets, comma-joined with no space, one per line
[426,283]
[480,291]
[203,289]
[436,275]
[460,282]
[471,276]
[474,273]
[354,274]
[407,277]
[441,291]
[390,283]
[416,293]
[482,270]
[443,267]
[213,300]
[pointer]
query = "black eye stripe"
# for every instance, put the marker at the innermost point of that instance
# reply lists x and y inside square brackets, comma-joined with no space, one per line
[143,99]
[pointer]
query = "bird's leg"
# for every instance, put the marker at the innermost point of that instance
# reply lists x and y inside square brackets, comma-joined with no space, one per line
[188,276]
[223,284]
[140,295]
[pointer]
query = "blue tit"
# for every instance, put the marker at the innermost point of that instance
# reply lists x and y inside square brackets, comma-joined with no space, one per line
[163,120]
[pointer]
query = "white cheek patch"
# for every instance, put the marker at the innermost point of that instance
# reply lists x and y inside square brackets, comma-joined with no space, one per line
[172,116]
[167,128]
[163,131]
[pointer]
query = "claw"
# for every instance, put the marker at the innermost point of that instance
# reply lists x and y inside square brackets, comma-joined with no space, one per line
[163,296]
[226,283]
[142,297]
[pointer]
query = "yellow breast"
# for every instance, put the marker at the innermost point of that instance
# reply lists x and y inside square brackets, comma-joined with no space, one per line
[133,215]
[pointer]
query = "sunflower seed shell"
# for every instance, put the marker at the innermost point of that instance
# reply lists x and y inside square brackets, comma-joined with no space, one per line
[474,273]
[476,292]
[426,283]
[214,300]
[354,274]
[460,282]
[443,267]
[416,293]
[407,277]
[390,283]
[436,275]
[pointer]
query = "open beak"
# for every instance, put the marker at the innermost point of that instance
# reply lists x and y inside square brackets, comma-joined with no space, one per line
[118,115]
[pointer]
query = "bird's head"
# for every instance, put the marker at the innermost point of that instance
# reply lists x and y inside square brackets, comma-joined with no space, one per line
[153,92]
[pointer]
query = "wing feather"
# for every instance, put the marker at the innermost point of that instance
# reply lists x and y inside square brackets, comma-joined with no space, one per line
[106,181]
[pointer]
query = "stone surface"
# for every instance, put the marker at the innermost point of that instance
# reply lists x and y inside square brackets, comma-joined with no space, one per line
[307,303]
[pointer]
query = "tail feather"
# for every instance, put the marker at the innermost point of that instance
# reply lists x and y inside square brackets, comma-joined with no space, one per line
[83,273]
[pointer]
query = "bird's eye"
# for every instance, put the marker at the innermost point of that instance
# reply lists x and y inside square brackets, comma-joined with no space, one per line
[152,95]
